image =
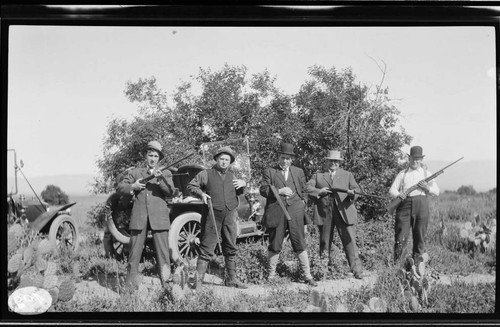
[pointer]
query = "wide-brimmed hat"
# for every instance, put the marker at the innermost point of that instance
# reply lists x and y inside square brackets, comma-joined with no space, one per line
[155,145]
[287,148]
[334,155]
[226,150]
[416,152]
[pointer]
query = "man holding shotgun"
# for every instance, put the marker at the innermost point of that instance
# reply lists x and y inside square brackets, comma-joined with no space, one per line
[149,211]
[283,185]
[336,208]
[221,194]
[413,212]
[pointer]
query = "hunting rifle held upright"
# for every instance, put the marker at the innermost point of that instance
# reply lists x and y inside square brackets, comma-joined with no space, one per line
[394,204]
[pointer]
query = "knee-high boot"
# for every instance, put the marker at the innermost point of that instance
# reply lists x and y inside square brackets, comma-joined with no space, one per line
[306,270]
[201,268]
[232,280]
[272,262]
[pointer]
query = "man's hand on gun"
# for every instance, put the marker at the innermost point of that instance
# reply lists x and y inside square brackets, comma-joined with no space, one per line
[324,191]
[285,191]
[424,186]
[138,186]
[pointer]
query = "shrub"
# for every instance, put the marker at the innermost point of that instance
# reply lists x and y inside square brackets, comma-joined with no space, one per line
[53,195]
[466,190]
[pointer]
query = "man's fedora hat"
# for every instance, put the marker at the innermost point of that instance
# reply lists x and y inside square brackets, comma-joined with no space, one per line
[226,150]
[155,145]
[334,155]
[416,152]
[287,148]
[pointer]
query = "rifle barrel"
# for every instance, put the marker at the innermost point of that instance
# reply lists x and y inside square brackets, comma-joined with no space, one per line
[358,193]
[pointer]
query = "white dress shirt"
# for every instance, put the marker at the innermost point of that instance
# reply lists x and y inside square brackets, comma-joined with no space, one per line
[412,177]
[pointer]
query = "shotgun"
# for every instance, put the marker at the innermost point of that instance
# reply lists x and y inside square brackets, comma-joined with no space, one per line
[334,189]
[162,168]
[282,205]
[394,204]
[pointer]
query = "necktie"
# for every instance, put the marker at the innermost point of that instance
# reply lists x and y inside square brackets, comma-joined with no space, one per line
[285,173]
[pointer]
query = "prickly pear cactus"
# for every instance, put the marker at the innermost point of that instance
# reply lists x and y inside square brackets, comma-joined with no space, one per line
[50,281]
[17,230]
[11,242]
[414,282]
[66,290]
[28,256]
[15,263]
[44,247]
[51,269]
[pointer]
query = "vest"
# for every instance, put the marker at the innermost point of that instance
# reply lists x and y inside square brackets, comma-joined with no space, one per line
[221,190]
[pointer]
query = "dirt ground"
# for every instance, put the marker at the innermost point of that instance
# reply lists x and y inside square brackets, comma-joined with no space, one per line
[107,287]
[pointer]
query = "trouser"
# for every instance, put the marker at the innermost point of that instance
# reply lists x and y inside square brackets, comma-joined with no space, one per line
[295,229]
[137,240]
[226,228]
[412,213]
[347,235]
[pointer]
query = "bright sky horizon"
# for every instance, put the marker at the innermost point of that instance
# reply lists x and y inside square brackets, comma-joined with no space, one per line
[66,82]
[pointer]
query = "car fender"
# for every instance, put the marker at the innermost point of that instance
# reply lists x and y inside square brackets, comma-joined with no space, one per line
[45,217]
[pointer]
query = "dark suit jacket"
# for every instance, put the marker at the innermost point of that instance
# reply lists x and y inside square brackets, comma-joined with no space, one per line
[273,176]
[150,201]
[323,205]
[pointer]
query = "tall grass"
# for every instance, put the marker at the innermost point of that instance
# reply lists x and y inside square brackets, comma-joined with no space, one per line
[448,255]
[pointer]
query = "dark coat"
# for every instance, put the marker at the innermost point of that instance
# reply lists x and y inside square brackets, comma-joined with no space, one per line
[323,205]
[273,212]
[150,201]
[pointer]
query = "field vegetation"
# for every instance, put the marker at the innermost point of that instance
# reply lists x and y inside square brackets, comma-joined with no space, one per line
[450,253]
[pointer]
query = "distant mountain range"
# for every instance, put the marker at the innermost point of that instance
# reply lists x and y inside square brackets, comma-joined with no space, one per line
[482,175]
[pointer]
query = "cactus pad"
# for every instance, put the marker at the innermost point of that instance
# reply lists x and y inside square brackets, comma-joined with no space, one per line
[38,281]
[66,290]
[15,263]
[54,293]
[51,269]
[40,263]
[44,246]
[17,230]
[50,282]
[11,242]
[28,256]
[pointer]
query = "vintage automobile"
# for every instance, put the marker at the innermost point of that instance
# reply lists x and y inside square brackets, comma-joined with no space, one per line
[53,221]
[186,210]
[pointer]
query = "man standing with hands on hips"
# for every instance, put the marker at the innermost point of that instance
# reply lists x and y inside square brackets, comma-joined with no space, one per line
[149,211]
[222,188]
[413,212]
[290,183]
[336,209]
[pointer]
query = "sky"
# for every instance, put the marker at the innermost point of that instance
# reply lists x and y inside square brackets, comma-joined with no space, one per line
[65,83]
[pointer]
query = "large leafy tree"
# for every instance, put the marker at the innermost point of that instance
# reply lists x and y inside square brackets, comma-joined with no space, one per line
[340,113]
[331,111]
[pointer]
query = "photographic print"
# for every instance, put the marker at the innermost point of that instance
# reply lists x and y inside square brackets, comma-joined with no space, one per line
[290,165]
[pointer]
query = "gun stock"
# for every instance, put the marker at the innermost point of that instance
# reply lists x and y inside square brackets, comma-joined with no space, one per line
[393,205]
